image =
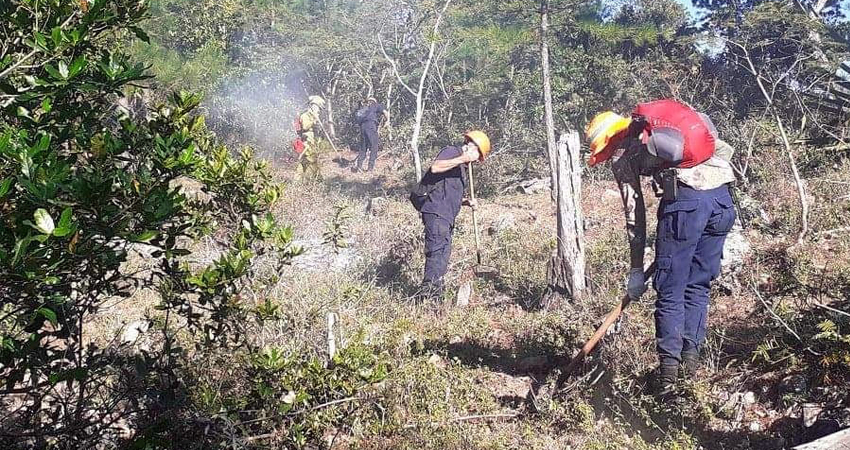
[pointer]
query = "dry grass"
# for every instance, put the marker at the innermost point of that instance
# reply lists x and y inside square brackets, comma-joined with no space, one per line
[501,354]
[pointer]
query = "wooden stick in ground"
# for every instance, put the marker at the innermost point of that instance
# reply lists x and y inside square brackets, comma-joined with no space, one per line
[474,216]
[600,332]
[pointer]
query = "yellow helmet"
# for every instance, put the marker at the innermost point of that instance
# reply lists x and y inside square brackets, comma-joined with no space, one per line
[480,140]
[599,133]
[316,100]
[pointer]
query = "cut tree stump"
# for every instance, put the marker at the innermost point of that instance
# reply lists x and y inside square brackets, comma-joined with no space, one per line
[567,266]
[835,441]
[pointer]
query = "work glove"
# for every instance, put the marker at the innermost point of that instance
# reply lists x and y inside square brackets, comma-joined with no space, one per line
[637,283]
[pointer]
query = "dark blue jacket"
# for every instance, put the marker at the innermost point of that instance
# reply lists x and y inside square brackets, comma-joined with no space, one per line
[373,115]
[446,198]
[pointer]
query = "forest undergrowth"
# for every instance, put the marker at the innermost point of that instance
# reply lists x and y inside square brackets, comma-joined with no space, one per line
[483,375]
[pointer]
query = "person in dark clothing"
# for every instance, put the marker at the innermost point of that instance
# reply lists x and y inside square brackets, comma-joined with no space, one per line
[445,182]
[368,118]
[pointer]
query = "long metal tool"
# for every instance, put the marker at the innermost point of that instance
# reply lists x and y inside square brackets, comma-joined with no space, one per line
[480,269]
[600,332]
[474,216]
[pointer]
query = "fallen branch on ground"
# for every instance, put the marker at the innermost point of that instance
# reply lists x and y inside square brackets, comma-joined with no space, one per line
[773,313]
[829,308]
[510,415]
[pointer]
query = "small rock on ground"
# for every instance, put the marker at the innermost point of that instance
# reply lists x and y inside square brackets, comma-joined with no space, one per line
[464,294]
[134,330]
[532,186]
[377,206]
[611,194]
[319,256]
[502,223]
[735,250]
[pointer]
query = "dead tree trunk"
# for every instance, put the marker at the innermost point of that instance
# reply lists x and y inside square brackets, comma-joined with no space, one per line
[835,441]
[566,269]
[389,111]
[547,95]
[329,100]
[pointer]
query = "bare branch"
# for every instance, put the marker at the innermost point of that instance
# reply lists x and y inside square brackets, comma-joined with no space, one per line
[29,55]
[801,191]
[773,313]
[394,66]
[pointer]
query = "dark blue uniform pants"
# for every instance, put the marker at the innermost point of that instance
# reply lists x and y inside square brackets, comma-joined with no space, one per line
[371,143]
[438,249]
[688,248]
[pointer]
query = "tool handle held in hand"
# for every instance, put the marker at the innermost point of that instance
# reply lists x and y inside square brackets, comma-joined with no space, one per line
[474,215]
[600,332]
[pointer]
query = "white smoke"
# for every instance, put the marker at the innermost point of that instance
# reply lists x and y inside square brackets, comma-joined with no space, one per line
[258,109]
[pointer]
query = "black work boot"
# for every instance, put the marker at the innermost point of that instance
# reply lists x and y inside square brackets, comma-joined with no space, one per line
[666,381]
[690,363]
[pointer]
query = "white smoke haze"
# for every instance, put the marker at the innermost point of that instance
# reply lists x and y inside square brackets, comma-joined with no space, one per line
[258,109]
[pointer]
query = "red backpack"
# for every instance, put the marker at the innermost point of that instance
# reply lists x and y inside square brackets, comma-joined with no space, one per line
[665,116]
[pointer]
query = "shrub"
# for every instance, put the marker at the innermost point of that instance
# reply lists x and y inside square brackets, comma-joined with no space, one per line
[83,185]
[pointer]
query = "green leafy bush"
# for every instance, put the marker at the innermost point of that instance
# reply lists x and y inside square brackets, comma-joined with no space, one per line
[84,186]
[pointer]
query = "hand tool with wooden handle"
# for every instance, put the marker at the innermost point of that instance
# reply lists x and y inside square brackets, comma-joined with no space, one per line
[609,320]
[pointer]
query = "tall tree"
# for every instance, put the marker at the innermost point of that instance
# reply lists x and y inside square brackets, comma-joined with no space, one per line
[420,92]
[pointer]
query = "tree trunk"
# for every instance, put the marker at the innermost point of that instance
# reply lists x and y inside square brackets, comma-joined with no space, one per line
[835,441]
[331,122]
[420,94]
[417,128]
[567,267]
[798,181]
[549,116]
[389,112]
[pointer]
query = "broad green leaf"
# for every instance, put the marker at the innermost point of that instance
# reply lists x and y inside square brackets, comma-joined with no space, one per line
[187,154]
[56,34]
[77,66]
[26,164]
[53,72]
[31,187]
[199,123]
[40,40]
[48,314]
[47,105]
[5,185]
[65,226]
[141,34]
[65,218]
[4,142]
[21,248]
[43,221]
[144,236]
[42,145]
